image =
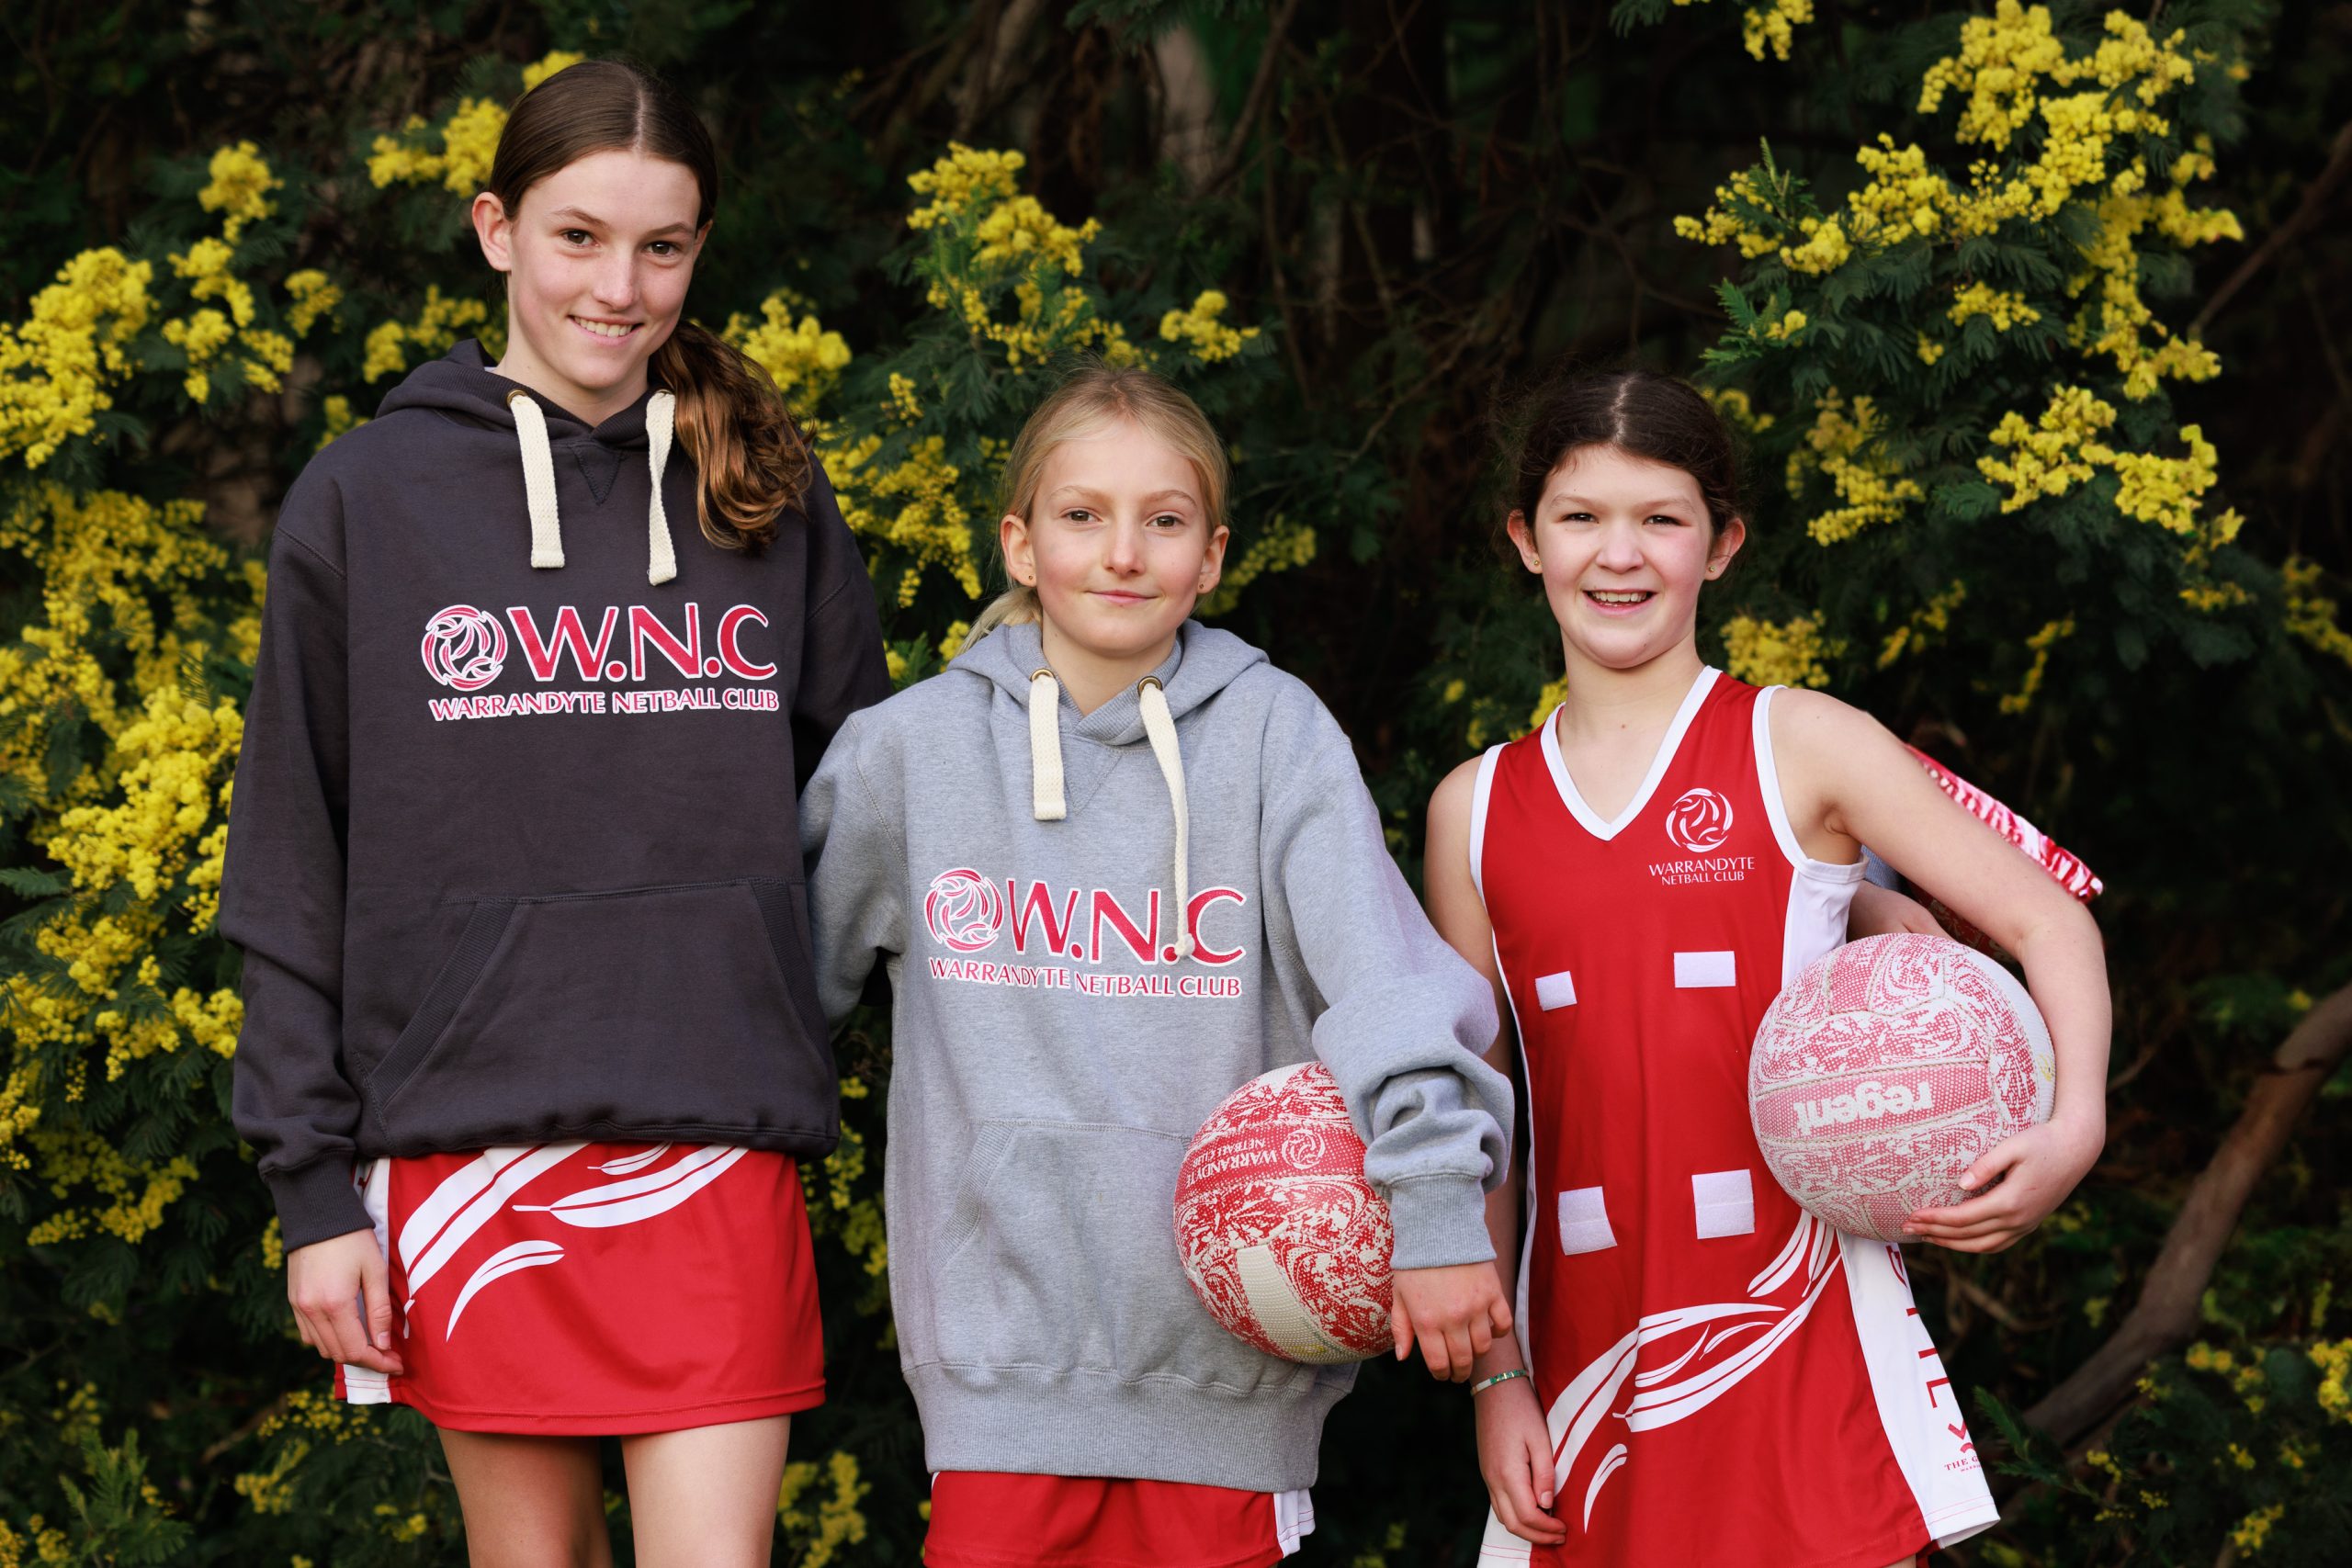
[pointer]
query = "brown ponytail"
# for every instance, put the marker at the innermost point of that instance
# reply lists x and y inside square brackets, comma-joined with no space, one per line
[732,423]
[754,465]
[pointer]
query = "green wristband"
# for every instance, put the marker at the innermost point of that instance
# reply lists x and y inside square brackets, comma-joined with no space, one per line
[1483,1384]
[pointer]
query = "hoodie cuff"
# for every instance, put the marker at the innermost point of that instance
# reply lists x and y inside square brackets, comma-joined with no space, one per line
[316,1202]
[1440,1220]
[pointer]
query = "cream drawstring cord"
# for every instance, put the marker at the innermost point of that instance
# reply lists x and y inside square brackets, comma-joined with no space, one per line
[1046,802]
[538,479]
[660,554]
[539,483]
[1160,726]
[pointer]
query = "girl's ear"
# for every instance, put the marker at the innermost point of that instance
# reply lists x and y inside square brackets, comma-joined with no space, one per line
[1213,563]
[494,227]
[1523,538]
[1020,558]
[1727,540]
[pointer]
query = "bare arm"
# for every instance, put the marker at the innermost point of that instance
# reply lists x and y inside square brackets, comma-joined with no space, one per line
[1514,1446]
[1847,781]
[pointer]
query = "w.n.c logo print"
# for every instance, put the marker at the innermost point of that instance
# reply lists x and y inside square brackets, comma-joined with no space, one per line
[1699,821]
[464,647]
[963,910]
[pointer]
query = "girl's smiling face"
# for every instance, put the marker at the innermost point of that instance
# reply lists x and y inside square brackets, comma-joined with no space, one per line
[1119,544]
[1622,545]
[597,259]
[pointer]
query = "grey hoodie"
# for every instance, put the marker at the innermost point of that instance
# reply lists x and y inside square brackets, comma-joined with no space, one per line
[1060,1035]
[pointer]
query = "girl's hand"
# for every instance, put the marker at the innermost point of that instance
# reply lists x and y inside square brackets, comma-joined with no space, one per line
[343,1304]
[1515,1457]
[1456,1314]
[1882,911]
[2038,1168]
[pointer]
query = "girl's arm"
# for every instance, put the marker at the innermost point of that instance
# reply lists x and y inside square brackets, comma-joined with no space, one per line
[843,666]
[1402,1029]
[1514,1445]
[853,849]
[1846,781]
[281,900]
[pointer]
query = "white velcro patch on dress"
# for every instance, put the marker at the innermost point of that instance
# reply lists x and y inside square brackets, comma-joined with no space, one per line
[1584,1221]
[1701,971]
[1725,1201]
[1555,990]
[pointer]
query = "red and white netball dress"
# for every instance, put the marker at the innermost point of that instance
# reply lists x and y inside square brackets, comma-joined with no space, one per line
[995,1519]
[1726,1379]
[595,1288]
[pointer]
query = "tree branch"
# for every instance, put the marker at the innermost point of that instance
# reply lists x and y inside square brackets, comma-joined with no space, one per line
[2306,213]
[2166,1312]
[1229,163]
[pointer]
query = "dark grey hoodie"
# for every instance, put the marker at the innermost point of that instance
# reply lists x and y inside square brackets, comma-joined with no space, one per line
[513,853]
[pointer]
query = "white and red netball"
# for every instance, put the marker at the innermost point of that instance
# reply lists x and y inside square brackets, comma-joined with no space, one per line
[1884,1068]
[1285,1241]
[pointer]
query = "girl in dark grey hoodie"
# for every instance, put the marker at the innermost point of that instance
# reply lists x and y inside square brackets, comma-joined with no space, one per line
[1115,866]
[531,1043]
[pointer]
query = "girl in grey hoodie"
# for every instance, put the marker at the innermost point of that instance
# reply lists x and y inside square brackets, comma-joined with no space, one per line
[1115,864]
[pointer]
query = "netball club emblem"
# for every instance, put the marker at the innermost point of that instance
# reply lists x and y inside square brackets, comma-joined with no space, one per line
[464,647]
[1699,821]
[963,910]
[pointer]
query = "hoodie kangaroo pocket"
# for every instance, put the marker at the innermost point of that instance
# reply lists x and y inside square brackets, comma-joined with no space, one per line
[1060,1254]
[595,1013]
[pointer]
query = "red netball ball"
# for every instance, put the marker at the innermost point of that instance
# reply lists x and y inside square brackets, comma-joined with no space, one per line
[1884,1068]
[1285,1241]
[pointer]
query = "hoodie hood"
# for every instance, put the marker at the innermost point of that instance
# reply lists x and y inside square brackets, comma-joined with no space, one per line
[1204,662]
[461,385]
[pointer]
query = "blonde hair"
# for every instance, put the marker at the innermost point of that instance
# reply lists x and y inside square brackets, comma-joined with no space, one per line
[1091,398]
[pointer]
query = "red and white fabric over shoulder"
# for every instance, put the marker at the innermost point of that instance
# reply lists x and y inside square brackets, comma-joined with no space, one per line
[595,1288]
[1726,1379]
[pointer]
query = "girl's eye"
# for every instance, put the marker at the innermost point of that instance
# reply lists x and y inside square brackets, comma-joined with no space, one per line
[667,248]
[1078,514]
[576,237]
[1168,518]
[1576,517]
[1662,517]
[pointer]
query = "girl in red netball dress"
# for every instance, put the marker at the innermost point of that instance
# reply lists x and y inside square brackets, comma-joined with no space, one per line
[531,1043]
[1704,1373]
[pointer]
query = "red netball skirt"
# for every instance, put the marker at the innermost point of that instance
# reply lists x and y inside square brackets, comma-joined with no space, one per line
[595,1288]
[993,1520]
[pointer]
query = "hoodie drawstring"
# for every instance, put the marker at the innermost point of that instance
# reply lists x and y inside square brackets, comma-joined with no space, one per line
[1160,726]
[1046,802]
[660,554]
[538,479]
[539,483]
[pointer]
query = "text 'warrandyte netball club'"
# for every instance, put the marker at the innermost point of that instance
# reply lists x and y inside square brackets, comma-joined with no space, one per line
[972,916]
[464,648]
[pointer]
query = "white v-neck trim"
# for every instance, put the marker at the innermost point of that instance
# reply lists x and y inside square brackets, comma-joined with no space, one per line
[1573,798]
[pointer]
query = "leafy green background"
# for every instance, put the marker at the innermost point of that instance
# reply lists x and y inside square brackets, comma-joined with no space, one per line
[1416,209]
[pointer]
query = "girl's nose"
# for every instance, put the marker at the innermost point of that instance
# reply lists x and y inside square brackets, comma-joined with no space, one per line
[1621,546]
[1123,547]
[616,284]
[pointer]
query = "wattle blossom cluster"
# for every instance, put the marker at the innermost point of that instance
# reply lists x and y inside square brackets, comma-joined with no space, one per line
[1845,445]
[1787,653]
[1770,25]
